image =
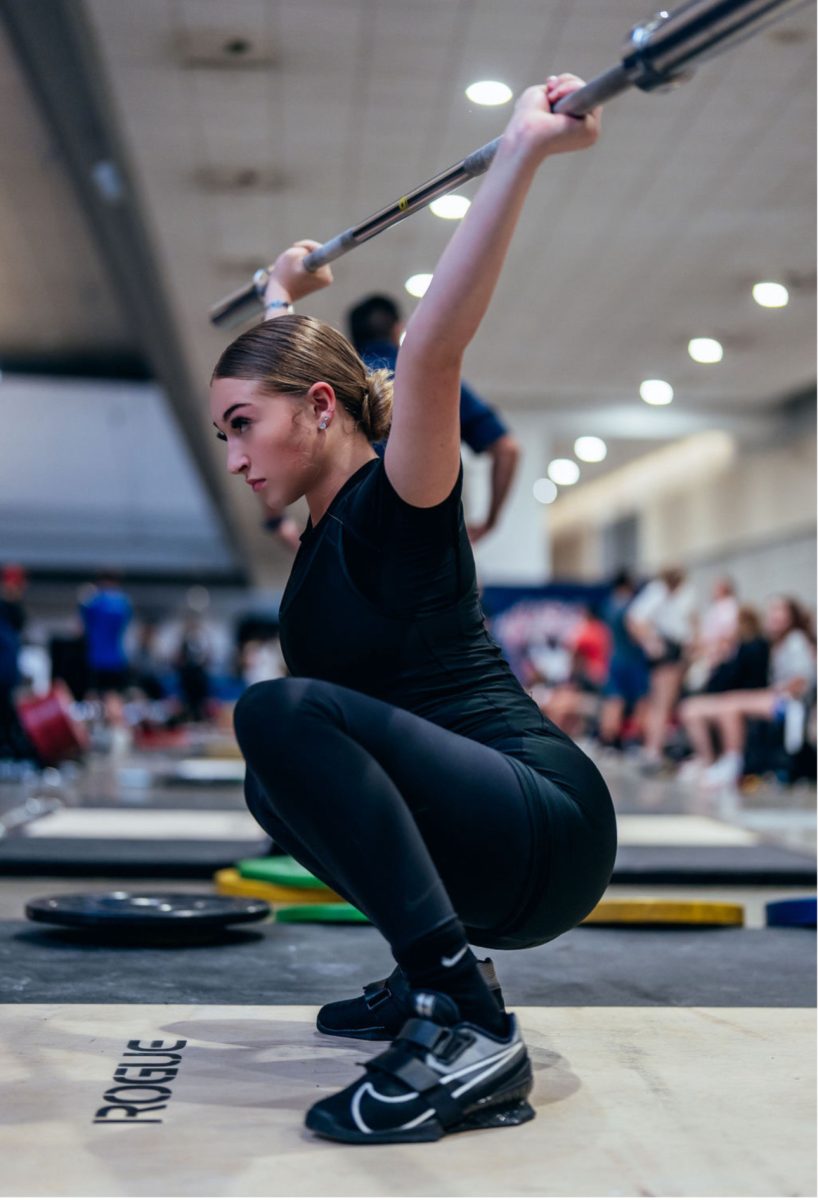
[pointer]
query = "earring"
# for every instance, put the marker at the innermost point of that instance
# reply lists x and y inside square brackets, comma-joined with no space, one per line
[323,423]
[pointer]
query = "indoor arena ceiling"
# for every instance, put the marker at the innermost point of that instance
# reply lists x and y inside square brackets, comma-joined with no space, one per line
[227,130]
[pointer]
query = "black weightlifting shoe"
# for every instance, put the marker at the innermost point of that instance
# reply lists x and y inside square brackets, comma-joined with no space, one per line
[441,1075]
[385,1006]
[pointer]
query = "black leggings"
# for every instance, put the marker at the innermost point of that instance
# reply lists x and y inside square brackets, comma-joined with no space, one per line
[413,824]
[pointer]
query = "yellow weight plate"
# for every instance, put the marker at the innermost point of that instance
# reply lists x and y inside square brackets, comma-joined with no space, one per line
[664,912]
[222,749]
[229,883]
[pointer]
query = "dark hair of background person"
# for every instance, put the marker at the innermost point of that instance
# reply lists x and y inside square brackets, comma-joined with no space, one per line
[623,579]
[373,320]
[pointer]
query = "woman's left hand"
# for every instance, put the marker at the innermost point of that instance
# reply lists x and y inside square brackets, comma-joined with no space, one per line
[538,131]
[288,274]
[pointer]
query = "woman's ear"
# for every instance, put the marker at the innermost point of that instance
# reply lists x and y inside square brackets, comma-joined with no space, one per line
[322,401]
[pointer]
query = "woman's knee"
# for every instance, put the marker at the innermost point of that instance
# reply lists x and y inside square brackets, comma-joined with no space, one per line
[264,710]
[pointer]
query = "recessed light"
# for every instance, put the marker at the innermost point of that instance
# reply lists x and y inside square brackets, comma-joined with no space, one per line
[451,207]
[489,91]
[705,350]
[655,391]
[590,449]
[563,471]
[545,491]
[416,285]
[771,295]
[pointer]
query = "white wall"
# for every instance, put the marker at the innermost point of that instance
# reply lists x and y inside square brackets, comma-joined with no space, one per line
[95,473]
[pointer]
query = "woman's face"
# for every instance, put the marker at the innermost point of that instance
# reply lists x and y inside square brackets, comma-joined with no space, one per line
[777,618]
[269,440]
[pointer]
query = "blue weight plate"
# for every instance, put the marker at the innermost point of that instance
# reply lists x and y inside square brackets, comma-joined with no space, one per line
[791,913]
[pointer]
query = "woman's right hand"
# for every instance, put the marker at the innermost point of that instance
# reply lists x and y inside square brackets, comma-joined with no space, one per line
[288,275]
[537,131]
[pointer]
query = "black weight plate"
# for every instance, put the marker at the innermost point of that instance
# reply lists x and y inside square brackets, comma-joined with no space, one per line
[164,912]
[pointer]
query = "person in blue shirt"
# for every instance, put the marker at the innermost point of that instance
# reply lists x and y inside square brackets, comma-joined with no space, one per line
[106,614]
[374,328]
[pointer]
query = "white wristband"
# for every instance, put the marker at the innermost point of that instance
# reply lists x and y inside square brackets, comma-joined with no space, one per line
[282,304]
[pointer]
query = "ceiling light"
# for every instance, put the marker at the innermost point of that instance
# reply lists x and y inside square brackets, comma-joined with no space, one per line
[563,471]
[489,91]
[590,449]
[451,207]
[705,350]
[545,491]
[655,391]
[416,285]
[771,295]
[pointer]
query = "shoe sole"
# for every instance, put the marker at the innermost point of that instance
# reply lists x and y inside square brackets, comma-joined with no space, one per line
[375,1033]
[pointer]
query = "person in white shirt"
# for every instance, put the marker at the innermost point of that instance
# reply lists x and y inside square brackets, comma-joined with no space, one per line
[661,620]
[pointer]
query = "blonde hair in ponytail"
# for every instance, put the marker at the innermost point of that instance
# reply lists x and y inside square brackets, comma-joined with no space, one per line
[288,354]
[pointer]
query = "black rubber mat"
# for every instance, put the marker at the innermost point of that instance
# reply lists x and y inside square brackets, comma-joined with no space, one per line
[310,965]
[761,865]
[124,858]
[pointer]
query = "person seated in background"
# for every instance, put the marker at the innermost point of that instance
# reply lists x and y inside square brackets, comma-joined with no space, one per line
[660,619]
[375,327]
[716,635]
[628,679]
[752,693]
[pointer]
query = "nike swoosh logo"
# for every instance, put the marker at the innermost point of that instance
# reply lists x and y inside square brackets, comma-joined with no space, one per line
[449,962]
[379,1112]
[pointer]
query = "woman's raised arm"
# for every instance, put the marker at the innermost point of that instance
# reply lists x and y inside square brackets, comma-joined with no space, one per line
[423,452]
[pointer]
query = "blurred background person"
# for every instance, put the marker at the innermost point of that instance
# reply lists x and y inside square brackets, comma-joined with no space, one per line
[106,613]
[716,634]
[661,620]
[374,328]
[628,679]
[145,663]
[574,707]
[12,623]
[192,666]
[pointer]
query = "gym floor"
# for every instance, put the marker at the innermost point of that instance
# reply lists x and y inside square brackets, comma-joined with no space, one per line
[668,1060]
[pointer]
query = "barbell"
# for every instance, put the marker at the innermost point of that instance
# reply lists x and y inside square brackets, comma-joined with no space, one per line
[658,54]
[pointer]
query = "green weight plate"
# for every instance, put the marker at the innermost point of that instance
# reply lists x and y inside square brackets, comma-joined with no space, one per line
[279,869]
[320,914]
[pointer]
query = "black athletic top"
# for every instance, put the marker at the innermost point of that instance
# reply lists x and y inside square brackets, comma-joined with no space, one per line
[383,599]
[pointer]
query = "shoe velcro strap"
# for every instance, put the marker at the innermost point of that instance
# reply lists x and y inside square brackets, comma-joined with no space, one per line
[420,1078]
[422,1033]
[448,1109]
[375,1000]
[405,1068]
